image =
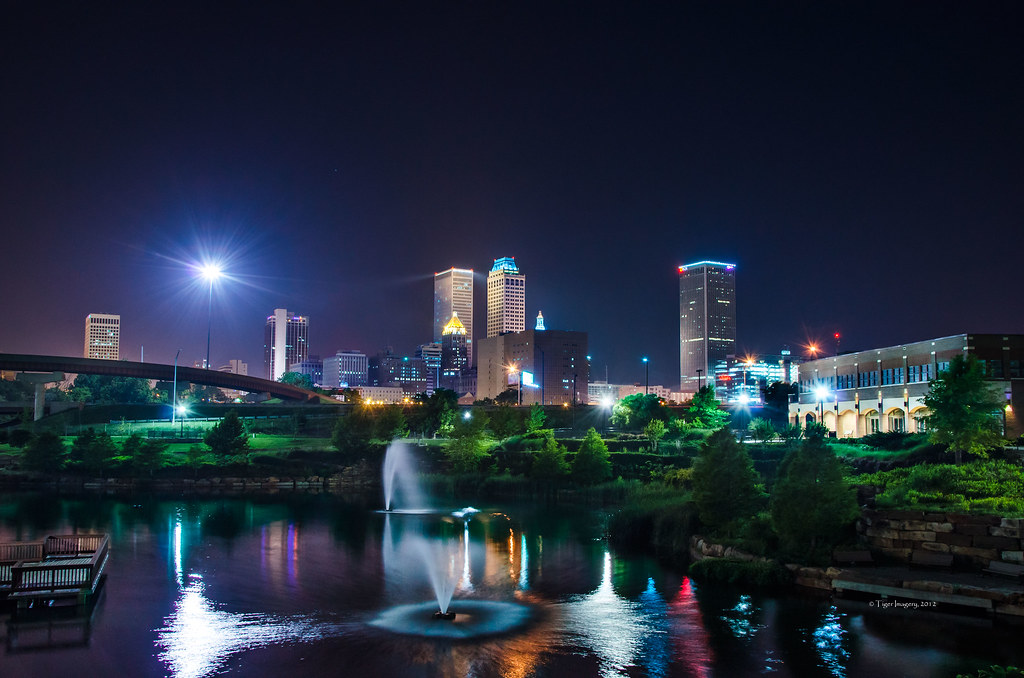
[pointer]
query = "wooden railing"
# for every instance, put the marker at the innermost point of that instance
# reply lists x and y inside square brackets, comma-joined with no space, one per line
[66,568]
[72,544]
[21,550]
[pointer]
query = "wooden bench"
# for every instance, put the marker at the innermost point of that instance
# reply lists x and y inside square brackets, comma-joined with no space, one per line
[862,557]
[931,559]
[998,567]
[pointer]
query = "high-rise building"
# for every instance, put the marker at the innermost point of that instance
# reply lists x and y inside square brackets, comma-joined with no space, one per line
[312,367]
[707,320]
[430,354]
[547,366]
[453,293]
[285,342]
[345,369]
[102,336]
[506,298]
[454,354]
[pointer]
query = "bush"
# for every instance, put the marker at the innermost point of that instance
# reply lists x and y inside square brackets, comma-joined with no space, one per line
[44,453]
[812,504]
[894,441]
[764,574]
[725,483]
[19,437]
[983,486]
[657,519]
[591,464]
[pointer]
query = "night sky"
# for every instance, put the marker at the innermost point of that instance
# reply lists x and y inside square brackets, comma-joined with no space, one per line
[861,163]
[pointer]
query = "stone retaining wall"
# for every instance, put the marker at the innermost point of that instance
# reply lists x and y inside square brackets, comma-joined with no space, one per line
[973,541]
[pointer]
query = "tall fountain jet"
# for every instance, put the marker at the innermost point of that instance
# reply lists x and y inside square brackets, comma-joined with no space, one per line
[400,476]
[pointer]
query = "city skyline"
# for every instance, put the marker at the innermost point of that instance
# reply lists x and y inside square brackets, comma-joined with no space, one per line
[859,164]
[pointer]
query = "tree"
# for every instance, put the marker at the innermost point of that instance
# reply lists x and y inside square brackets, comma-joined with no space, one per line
[704,409]
[549,463]
[592,463]
[509,396]
[654,431]
[227,438]
[44,453]
[117,390]
[439,411]
[811,502]
[297,379]
[762,430]
[195,457]
[352,433]
[390,424]
[963,409]
[467,449]
[144,455]
[92,451]
[536,419]
[506,422]
[635,411]
[725,484]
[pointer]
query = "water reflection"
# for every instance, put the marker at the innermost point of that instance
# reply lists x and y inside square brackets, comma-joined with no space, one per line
[828,638]
[611,627]
[197,639]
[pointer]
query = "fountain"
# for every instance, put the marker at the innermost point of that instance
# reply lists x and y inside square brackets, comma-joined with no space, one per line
[439,558]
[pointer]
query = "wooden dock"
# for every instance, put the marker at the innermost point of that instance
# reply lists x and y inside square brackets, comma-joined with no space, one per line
[60,570]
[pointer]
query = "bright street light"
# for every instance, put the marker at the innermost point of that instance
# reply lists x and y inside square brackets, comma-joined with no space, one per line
[210,271]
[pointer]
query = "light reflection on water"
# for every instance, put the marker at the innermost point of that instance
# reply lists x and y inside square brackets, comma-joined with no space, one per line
[231,585]
[610,626]
[197,638]
[828,639]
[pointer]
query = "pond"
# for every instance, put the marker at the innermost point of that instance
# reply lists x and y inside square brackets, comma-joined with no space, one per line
[313,585]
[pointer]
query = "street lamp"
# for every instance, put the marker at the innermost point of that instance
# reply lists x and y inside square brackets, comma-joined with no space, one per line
[174,390]
[519,383]
[211,272]
[822,394]
[647,376]
[182,410]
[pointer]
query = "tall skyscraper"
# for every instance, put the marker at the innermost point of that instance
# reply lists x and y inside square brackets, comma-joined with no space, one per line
[506,298]
[285,342]
[102,336]
[453,293]
[454,354]
[707,320]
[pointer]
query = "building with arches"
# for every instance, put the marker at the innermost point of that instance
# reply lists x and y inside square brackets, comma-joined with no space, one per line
[881,390]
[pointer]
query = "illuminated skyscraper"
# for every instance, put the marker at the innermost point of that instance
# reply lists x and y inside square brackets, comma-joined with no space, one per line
[454,354]
[707,320]
[453,293]
[506,298]
[285,342]
[102,336]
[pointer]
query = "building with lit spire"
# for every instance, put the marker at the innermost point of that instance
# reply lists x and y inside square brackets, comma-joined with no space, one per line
[454,351]
[506,298]
[540,321]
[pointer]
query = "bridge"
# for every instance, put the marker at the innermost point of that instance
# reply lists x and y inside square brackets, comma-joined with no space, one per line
[10,362]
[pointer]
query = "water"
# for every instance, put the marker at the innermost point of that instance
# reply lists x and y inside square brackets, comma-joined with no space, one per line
[302,585]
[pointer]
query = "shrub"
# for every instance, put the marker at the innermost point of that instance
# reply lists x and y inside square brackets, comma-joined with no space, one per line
[811,503]
[766,574]
[724,483]
[591,464]
[19,437]
[44,453]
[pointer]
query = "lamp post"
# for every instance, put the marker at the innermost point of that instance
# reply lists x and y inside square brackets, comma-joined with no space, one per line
[647,376]
[181,418]
[174,390]
[822,394]
[211,272]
